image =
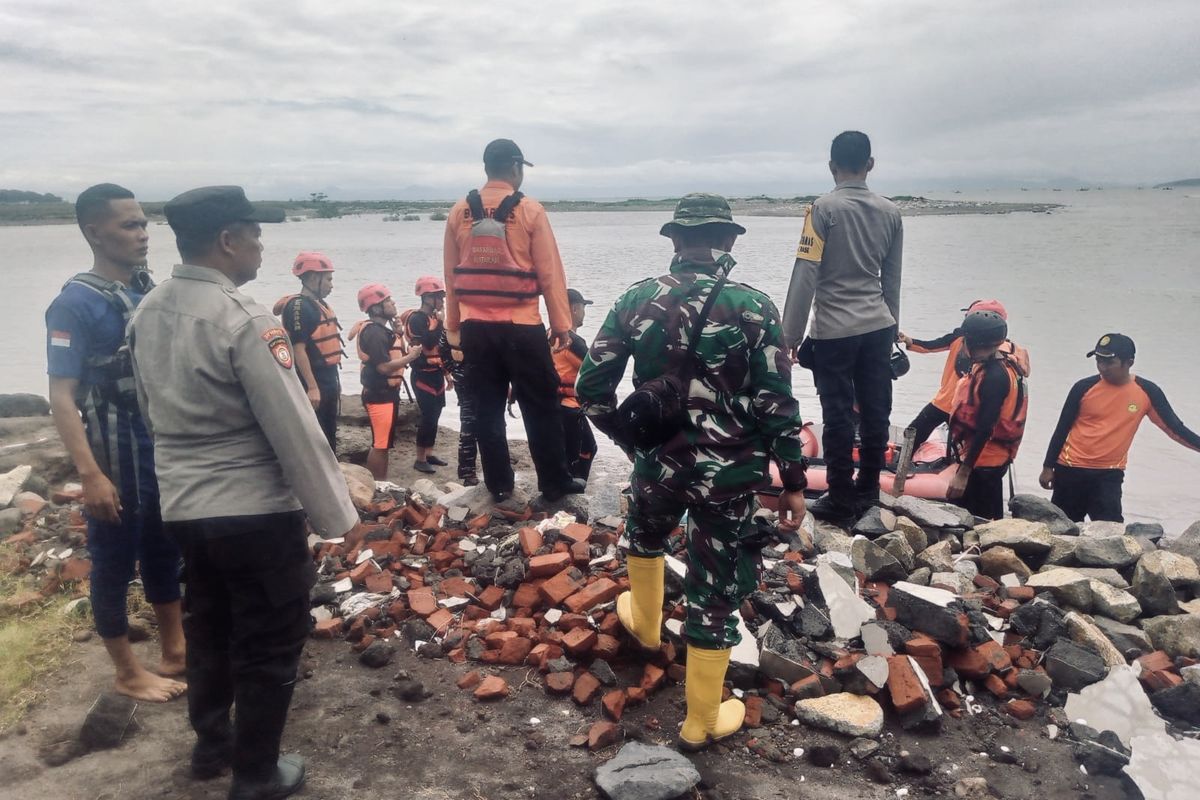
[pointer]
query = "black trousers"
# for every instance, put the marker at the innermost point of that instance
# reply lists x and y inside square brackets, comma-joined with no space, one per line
[984,496]
[327,411]
[579,440]
[926,422]
[849,370]
[429,389]
[1094,493]
[246,617]
[467,448]
[500,354]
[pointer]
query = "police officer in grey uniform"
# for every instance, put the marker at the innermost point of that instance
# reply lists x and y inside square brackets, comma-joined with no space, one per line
[241,461]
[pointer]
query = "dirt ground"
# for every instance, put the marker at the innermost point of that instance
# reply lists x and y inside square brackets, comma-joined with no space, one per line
[362,741]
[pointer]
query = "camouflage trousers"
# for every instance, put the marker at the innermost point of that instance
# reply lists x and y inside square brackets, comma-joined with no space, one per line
[720,574]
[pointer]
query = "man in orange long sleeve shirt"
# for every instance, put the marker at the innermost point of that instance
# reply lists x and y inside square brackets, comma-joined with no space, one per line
[500,257]
[1085,463]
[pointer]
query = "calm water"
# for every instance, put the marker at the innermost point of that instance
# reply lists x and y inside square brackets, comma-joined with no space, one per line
[1111,261]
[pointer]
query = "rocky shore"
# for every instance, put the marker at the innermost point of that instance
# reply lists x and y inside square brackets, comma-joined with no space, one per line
[916,652]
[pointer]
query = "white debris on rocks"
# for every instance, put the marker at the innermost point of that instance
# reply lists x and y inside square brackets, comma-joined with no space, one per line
[847,611]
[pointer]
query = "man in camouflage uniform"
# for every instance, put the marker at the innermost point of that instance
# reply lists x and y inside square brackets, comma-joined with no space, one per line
[740,413]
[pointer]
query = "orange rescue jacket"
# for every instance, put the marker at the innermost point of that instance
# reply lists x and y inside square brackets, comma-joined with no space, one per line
[327,336]
[1005,439]
[397,350]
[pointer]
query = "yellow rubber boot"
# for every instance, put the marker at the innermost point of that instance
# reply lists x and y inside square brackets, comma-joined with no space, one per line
[708,719]
[640,609]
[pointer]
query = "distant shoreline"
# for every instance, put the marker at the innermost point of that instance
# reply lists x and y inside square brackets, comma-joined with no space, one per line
[64,213]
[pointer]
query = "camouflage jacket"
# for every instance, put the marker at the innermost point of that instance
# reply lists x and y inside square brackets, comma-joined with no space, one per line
[740,409]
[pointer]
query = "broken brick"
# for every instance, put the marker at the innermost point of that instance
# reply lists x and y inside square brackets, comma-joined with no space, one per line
[526,596]
[592,595]
[652,677]
[754,705]
[492,687]
[514,651]
[421,601]
[328,628]
[904,685]
[577,532]
[456,587]
[549,564]
[586,687]
[808,687]
[1021,709]
[603,734]
[562,585]
[606,647]
[560,682]
[379,583]
[614,704]
[635,695]
[996,685]
[440,620]
[491,597]
[579,641]
[470,680]
[530,539]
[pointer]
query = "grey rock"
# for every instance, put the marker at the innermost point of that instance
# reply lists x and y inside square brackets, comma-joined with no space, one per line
[560,664]
[321,594]
[646,772]
[863,748]
[937,558]
[1062,551]
[1039,509]
[829,538]
[23,404]
[1179,702]
[511,573]
[953,581]
[897,545]
[998,561]
[926,513]
[1152,583]
[1181,571]
[1113,602]
[1178,635]
[1101,528]
[10,521]
[1125,638]
[1150,531]
[1067,586]
[107,721]
[1186,543]
[378,654]
[1035,683]
[918,540]
[1108,551]
[603,672]
[875,523]
[1027,539]
[1073,667]
[930,610]
[1099,759]
[417,630]
[876,563]
[1105,575]
[920,576]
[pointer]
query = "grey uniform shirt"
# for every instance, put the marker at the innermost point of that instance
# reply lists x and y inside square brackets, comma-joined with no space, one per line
[849,261]
[234,432]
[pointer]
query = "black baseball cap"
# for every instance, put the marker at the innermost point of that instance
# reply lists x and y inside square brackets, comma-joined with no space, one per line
[502,152]
[575,297]
[210,208]
[1114,345]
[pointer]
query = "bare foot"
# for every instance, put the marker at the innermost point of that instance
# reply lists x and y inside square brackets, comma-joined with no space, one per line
[145,685]
[172,666]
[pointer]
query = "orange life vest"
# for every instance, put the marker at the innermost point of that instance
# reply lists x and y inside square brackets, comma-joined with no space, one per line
[431,355]
[567,365]
[1005,439]
[944,399]
[326,337]
[488,274]
[397,350]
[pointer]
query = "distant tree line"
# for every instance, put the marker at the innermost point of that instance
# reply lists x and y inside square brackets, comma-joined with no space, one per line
[18,196]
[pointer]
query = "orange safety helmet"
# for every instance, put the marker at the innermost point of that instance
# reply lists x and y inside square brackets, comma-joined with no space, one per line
[428,283]
[311,262]
[372,294]
[988,305]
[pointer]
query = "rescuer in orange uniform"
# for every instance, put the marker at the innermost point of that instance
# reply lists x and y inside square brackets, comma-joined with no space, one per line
[430,378]
[500,257]
[316,338]
[577,433]
[1085,462]
[987,417]
[383,354]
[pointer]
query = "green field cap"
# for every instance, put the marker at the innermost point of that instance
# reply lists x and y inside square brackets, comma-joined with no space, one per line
[701,208]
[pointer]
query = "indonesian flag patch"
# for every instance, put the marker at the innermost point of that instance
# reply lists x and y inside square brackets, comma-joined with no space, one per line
[280,347]
[60,338]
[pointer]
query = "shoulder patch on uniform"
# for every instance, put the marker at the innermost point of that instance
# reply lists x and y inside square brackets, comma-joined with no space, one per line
[279,345]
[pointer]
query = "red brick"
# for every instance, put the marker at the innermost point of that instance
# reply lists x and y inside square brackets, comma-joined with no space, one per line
[677,672]
[379,583]
[652,677]
[497,639]
[363,570]
[433,519]
[441,620]
[549,564]
[949,699]
[970,663]
[577,532]
[592,595]
[560,682]
[514,651]
[562,585]
[754,705]
[1156,680]
[586,687]
[470,680]
[491,597]
[328,629]
[358,628]
[75,569]
[581,554]
[442,561]
[1022,594]
[610,625]
[421,601]
[492,687]
[603,734]
[904,685]
[614,704]
[986,582]
[456,587]
[571,621]
[579,641]
[606,647]
[1021,709]
[527,595]
[996,685]
[635,695]
[1156,661]
[996,656]
[441,542]
[523,626]
[531,540]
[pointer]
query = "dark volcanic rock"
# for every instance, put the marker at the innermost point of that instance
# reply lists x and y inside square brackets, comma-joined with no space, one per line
[1073,667]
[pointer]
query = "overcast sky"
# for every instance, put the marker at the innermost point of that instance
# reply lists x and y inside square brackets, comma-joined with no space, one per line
[376,99]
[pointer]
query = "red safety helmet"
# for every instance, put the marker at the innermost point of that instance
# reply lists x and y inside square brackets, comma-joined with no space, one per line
[372,294]
[428,283]
[988,305]
[311,262]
